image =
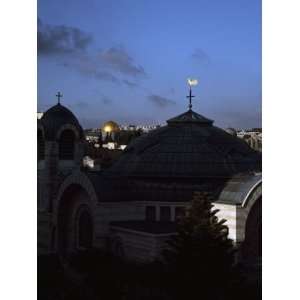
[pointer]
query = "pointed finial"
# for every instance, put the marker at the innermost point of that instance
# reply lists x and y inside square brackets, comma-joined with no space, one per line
[191,82]
[190,96]
[58,95]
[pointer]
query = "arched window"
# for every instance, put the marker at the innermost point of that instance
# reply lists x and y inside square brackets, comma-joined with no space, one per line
[40,145]
[67,145]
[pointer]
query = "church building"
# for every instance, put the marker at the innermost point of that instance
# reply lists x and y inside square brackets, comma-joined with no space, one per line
[131,208]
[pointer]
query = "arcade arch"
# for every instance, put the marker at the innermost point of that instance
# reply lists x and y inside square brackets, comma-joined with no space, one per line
[75,222]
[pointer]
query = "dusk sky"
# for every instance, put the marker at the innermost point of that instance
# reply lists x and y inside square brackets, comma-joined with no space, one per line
[128,60]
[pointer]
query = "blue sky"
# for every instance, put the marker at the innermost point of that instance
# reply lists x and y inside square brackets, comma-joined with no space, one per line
[128,60]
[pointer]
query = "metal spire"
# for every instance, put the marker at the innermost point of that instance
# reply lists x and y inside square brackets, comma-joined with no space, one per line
[58,95]
[190,96]
[191,82]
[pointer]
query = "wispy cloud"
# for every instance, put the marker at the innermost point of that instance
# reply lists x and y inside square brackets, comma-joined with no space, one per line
[88,66]
[160,101]
[118,59]
[81,105]
[106,100]
[200,56]
[55,40]
[130,83]
[69,46]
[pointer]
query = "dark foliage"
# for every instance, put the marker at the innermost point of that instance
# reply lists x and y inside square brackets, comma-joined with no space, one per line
[199,260]
[94,275]
[198,263]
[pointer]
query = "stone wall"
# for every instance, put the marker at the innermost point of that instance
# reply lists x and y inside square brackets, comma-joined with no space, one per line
[244,210]
[236,214]
[138,246]
[108,212]
[229,213]
[43,232]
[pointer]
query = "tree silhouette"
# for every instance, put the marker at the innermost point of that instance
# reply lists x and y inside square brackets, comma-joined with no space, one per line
[199,259]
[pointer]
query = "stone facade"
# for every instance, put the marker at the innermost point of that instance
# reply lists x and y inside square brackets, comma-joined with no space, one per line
[137,245]
[51,172]
[244,223]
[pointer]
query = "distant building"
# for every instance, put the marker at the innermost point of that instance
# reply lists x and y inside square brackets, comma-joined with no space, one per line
[101,155]
[132,127]
[110,145]
[88,162]
[109,131]
[231,131]
[110,127]
[143,128]
[252,137]
[93,135]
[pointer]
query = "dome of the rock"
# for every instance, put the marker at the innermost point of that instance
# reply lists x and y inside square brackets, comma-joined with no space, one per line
[110,127]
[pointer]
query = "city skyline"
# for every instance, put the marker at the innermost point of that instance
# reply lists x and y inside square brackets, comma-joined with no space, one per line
[129,61]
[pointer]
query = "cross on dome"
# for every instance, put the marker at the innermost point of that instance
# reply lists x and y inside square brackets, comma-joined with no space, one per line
[58,95]
[190,96]
[191,82]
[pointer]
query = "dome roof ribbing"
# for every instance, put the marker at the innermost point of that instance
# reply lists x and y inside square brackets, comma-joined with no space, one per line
[188,147]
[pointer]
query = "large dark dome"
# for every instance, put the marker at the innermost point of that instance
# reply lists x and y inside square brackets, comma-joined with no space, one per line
[188,147]
[57,116]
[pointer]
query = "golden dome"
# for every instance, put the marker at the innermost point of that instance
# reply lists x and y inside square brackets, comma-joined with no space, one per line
[110,126]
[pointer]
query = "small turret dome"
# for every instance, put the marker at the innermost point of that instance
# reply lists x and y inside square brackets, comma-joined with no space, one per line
[56,117]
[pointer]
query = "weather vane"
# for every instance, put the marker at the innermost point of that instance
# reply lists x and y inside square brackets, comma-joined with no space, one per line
[58,95]
[191,82]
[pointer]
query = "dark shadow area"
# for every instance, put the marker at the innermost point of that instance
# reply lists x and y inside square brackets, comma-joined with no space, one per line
[93,274]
